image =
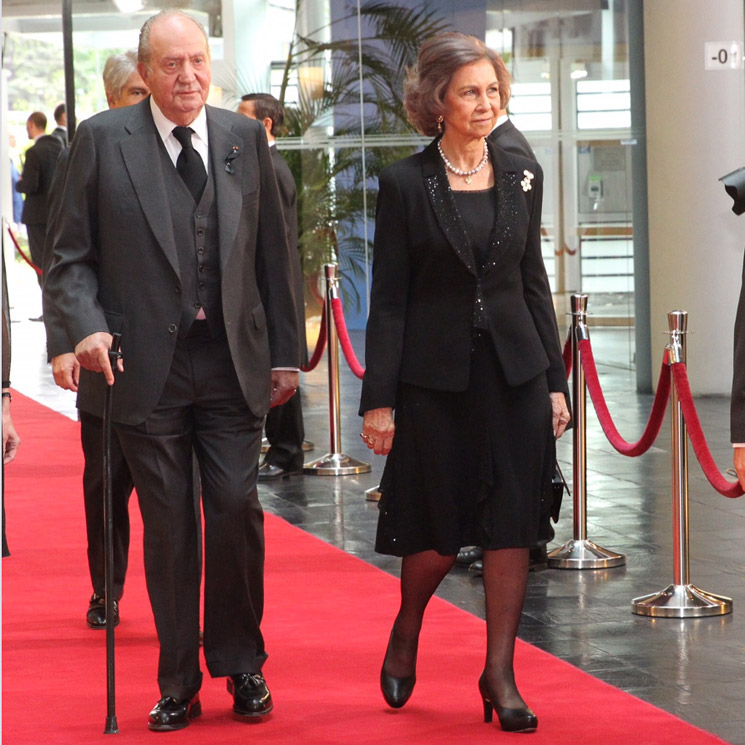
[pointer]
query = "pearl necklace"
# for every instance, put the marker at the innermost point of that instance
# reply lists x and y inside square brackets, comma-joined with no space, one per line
[457,171]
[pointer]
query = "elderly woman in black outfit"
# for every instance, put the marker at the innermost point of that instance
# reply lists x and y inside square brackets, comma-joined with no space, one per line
[462,342]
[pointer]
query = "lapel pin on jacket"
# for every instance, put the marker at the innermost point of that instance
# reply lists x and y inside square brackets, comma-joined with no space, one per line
[232,155]
[526,183]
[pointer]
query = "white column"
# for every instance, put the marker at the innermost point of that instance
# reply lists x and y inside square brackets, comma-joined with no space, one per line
[247,43]
[695,134]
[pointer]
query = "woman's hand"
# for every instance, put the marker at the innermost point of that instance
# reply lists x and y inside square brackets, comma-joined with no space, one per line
[11,440]
[560,414]
[378,430]
[739,461]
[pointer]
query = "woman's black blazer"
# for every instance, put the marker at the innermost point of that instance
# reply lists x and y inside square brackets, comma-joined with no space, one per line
[427,291]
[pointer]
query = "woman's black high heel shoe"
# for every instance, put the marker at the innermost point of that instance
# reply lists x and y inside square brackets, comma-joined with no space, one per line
[511,720]
[396,691]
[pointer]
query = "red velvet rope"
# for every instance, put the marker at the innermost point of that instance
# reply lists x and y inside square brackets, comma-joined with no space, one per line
[567,354]
[696,434]
[656,416]
[320,344]
[20,251]
[346,344]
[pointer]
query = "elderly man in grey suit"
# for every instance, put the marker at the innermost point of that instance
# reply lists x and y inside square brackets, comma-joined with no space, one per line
[170,232]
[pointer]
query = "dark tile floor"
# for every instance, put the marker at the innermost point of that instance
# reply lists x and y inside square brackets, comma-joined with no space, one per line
[694,668]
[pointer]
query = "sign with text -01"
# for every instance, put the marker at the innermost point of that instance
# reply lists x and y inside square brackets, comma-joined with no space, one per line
[723,55]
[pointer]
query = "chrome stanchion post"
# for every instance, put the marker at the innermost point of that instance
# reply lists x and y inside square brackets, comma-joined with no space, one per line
[335,462]
[681,599]
[580,552]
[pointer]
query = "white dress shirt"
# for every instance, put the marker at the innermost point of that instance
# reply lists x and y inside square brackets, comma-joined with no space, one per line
[198,138]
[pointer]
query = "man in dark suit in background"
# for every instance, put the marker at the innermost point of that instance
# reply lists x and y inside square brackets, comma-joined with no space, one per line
[737,403]
[122,80]
[505,136]
[124,87]
[35,182]
[60,117]
[735,186]
[284,424]
[170,232]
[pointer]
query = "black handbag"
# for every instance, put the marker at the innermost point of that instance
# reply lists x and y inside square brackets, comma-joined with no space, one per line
[558,487]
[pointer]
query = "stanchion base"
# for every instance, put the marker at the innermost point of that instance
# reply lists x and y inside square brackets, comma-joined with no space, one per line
[373,494]
[682,601]
[335,464]
[585,554]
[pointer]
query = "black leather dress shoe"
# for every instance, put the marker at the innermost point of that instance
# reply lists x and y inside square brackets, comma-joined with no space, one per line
[468,554]
[173,713]
[476,569]
[269,472]
[96,615]
[251,696]
[538,558]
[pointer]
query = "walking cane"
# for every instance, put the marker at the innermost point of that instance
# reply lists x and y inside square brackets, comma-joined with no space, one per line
[111,725]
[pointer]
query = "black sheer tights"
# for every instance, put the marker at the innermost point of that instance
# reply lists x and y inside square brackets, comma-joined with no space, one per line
[421,574]
[505,579]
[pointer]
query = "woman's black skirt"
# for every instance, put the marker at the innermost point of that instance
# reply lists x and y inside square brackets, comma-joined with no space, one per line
[471,468]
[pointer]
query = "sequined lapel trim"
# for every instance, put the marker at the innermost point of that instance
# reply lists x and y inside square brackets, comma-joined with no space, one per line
[443,205]
[503,232]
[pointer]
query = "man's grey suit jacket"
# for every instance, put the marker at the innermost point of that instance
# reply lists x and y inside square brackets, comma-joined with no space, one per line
[114,264]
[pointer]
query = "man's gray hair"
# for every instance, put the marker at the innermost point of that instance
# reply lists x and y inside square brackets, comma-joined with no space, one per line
[144,51]
[117,71]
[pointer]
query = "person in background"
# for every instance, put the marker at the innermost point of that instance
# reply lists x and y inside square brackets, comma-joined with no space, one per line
[35,183]
[170,232]
[737,404]
[284,424]
[123,86]
[506,136]
[15,177]
[122,81]
[60,117]
[462,342]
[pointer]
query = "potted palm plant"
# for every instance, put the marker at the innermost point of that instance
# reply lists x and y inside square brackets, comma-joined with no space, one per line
[360,99]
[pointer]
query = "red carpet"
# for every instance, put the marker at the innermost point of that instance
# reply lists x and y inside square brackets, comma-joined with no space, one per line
[327,622]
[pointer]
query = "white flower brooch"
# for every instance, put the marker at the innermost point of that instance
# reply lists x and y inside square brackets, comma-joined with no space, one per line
[527,182]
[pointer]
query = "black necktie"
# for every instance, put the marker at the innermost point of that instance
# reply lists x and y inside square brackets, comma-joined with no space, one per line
[189,163]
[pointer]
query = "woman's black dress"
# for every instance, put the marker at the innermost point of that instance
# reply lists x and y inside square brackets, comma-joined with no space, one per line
[470,468]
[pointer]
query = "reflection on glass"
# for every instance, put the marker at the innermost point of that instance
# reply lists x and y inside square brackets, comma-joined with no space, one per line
[339,70]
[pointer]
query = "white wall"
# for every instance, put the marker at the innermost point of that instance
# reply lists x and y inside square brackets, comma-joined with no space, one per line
[695,134]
